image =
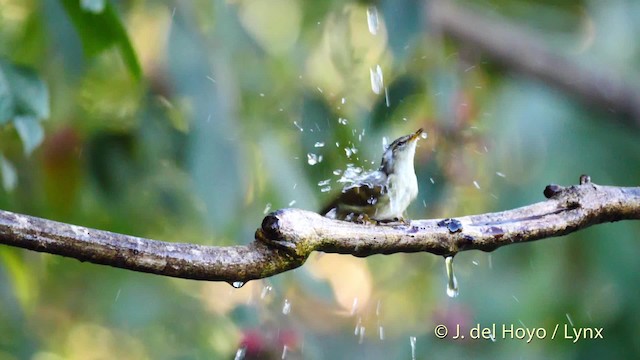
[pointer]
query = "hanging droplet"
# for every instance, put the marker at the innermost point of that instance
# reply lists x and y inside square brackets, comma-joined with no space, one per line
[452,282]
[237,284]
[412,341]
[372,19]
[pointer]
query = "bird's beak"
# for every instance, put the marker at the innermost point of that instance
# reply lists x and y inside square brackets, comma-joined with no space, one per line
[416,135]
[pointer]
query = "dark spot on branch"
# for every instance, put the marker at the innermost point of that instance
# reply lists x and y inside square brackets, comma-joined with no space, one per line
[271,226]
[552,190]
[452,225]
[496,232]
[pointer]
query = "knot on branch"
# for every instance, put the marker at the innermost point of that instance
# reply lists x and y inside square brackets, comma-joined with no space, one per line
[288,229]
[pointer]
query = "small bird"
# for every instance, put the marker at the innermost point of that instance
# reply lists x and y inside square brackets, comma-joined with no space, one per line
[383,194]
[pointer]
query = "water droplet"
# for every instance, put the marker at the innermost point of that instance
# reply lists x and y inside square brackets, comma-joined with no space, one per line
[284,352]
[424,134]
[267,208]
[475,183]
[312,159]
[377,80]
[237,284]
[319,144]
[354,306]
[361,335]
[324,182]
[452,282]
[342,121]
[385,143]
[378,305]
[474,263]
[265,290]
[432,181]
[515,298]
[500,174]
[298,126]
[286,308]
[240,353]
[381,332]
[292,203]
[412,341]
[325,189]
[569,318]
[356,331]
[343,101]
[372,19]
[337,172]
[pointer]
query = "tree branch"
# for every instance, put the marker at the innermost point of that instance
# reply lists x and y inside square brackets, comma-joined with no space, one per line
[523,51]
[287,237]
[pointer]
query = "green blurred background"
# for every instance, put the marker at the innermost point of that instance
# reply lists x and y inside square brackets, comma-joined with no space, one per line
[187,121]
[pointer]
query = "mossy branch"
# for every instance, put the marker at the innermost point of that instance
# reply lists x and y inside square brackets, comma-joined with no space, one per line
[288,236]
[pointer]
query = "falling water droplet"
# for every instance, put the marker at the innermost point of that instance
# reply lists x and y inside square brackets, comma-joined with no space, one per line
[424,134]
[237,284]
[386,97]
[319,144]
[452,282]
[475,183]
[342,121]
[569,318]
[385,143]
[267,208]
[361,334]
[312,159]
[240,353]
[372,19]
[284,352]
[381,332]
[292,202]
[354,306]
[298,126]
[324,182]
[286,308]
[325,189]
[265,291]
[412,341]
[377,80]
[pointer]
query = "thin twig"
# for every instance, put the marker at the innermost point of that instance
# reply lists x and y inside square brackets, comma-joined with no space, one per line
[287,237]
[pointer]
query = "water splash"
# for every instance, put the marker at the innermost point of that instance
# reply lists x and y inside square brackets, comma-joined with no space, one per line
[342,121]
[373,20]
[286,308]
[320,144]
[452,282]
[313,159]
[412,341]
[377,80]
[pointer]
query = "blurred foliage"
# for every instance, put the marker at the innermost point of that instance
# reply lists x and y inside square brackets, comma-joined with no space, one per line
[188,120]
